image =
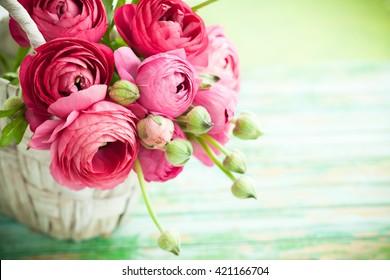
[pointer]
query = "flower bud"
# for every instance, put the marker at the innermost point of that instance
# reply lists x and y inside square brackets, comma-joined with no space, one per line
[12,103]
[247,126]
[198,120]
[235,162]
[124,92]
[243,187]
[155,131]
[169,241]
[178,151]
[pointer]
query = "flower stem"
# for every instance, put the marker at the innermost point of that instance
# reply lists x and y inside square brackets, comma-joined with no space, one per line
[145,195]
[204,4]
[215,143]
[213,157]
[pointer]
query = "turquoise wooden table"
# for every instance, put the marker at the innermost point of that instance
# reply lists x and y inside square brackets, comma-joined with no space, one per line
[322,172]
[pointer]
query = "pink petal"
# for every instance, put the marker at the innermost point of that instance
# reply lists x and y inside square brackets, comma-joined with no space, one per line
[40,139]
[35,119]
[78,101]
[127,63]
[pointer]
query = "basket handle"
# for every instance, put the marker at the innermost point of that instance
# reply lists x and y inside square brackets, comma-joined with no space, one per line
[19,13]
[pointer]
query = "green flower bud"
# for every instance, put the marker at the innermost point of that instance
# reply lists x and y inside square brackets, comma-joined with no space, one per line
[235,162]
[12,103]
[198,120]
[247,126]
[243,187]
[124,92]
[169,241]
[178,151]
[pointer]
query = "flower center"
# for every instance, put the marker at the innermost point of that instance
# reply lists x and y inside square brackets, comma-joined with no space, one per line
[61,8]
[79,82]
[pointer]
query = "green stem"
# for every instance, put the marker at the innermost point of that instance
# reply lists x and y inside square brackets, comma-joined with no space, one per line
[181,120]
[145,195]
[213,157]
[204,4]
[215,143]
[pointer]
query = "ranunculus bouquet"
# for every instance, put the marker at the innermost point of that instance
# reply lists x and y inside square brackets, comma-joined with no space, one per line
[113,87]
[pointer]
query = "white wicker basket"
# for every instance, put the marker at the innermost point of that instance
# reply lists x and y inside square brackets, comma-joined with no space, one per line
[29,194]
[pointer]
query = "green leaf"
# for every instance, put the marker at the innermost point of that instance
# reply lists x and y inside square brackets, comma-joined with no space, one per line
[21,54]
[14,131]
[10,112]
[109,10]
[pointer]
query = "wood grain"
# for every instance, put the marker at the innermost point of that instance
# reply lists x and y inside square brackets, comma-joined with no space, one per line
[322,172]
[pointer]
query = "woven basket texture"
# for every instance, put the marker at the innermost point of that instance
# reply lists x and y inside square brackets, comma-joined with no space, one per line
[29,194]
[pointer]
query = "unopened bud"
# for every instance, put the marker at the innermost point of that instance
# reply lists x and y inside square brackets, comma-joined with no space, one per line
[208,80]
[243,187]
[235,162]
[12,103]
[198,120]
[155,131]
[124,92]
[178,152]
[247,126]
[170,241]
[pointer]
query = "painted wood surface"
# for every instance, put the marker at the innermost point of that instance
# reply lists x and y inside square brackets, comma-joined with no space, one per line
[322,172]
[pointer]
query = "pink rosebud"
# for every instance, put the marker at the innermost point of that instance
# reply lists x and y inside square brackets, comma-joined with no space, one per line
[155,26]
[94,147]
[168,83]
[155,131]
[154,164]
[60,68]
[223,59]
[84,19]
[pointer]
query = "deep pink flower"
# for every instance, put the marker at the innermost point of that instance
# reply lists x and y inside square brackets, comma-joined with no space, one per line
[223,59]
[94,145]
[84,19]
[154,165]
[167,82]
[60,68]
[155,26]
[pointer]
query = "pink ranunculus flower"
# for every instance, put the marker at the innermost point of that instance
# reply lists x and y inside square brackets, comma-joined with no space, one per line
[223,58]
[60,68]
[220,102]
[93,144]
[84,19]
[167,82]
[155,26]
[154,164]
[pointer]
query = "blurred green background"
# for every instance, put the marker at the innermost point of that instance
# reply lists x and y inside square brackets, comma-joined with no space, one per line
[285,32]
[317,74]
